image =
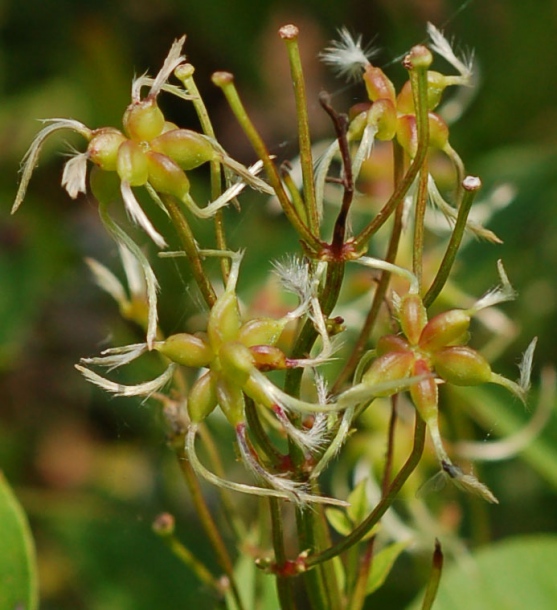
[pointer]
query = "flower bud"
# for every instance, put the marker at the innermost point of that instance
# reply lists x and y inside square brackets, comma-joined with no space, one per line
[357,125]
[143,120]
[378,85]
[260,331]
[268,358]
[103,148]
[383,115]
[236,362]
[224,321]
[167,177]
[202,398]
[389,367]
[438,131]
[186,349]
[187,148]
[444,329]
[461,365]
[424,393]
[412,316]
[132,164]
[392,343]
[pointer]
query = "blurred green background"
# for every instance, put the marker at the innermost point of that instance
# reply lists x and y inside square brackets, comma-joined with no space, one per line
[92,472]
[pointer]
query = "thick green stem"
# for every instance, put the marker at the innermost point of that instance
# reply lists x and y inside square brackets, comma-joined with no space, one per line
[289,33]
[386,501]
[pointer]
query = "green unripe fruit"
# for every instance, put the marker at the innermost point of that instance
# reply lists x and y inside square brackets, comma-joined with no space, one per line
[167,177]
[413,317]
[391,343]
[378,85]
[424,393]
[186,349]
[202,398]
[103,148]
[230,397]
[236,362]
[187,148]
[104,186]
[444,329]
[131,164]
[268,358]
[393,366]
[436,84]
[224,321]
[143,120]
[383,116]
[260,331]
[461,365]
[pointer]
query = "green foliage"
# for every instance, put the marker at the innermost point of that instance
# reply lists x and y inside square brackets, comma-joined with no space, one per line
[18,570]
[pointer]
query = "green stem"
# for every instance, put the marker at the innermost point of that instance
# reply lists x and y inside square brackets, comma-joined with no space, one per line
[225,81]
[289,33]
[384,504]
[419,217]
[418,78]
[190,247]
[259,434]
[358,597]
[380,291]
[190,560]
[207,521]
[471,186]
[285,588]
[185,74]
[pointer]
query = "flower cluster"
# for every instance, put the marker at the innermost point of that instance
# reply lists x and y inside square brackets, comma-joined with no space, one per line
[231,368]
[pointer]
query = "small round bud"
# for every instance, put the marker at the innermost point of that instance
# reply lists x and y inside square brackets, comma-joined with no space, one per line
[461,365]
[184,71]
[186,349]
[444,329]
[132,164]
[412,316]
[143,120]
[436,84]
[289,32]
[221,79]
[202,398]
[164,524]
[103,148]
[419,58]
[377,84]
[167,177]
[187,148]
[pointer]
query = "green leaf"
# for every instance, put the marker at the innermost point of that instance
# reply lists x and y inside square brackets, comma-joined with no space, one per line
[514,574]
[359,505]
[18,574]
[339,520]
[382,564]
